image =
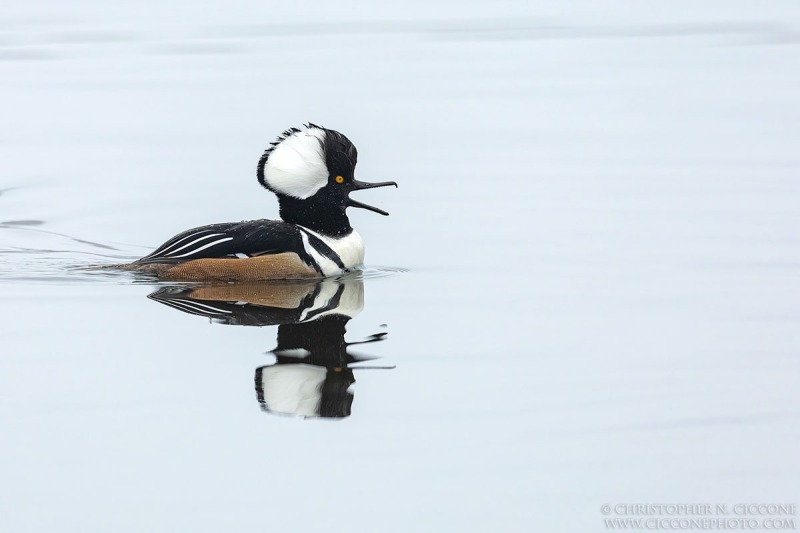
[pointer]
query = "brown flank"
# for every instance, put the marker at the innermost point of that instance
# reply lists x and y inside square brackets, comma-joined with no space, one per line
[287,265]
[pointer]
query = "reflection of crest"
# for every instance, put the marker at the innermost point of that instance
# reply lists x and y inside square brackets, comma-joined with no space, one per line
[311,376]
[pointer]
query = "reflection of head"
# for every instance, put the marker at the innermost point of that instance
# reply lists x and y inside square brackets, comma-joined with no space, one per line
[300,389]
[310,376]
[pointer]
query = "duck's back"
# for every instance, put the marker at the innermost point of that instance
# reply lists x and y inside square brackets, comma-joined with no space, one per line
[241,251]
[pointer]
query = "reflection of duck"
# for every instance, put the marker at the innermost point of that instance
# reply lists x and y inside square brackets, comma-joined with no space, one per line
[311,375]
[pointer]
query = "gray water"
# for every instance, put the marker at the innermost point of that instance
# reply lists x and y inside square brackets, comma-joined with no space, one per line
[586,292]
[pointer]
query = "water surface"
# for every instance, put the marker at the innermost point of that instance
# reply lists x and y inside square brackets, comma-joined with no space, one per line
[593,259]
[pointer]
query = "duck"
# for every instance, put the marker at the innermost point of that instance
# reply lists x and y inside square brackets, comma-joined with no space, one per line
[311,170]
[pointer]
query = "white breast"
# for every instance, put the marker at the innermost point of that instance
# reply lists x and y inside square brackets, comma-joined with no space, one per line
[349,248]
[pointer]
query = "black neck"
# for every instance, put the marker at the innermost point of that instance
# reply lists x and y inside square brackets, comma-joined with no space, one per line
[317,215]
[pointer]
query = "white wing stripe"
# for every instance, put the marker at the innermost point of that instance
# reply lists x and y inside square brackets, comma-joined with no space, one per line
[179,241]
[209,245]
[204,237]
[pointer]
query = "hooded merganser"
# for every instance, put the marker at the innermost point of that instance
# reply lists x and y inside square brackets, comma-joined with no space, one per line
[311,171]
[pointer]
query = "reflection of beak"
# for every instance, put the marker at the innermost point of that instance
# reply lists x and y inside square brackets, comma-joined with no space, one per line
[358,185]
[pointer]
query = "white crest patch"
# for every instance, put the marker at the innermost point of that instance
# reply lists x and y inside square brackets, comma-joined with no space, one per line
[296,167]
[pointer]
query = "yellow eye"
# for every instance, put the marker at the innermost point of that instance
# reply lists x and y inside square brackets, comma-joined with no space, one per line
[339,179]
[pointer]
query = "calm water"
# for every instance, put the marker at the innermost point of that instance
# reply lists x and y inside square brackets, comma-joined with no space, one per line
[586,293]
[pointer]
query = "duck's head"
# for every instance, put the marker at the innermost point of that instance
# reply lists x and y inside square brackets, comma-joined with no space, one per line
[312,172]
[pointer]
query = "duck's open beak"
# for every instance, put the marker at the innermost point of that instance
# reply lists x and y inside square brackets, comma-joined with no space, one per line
[359,185]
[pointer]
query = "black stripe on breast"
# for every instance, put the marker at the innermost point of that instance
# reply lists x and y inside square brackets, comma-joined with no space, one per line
[307,257]
[324,250]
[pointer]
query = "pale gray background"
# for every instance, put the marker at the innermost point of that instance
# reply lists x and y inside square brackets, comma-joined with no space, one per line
[598,208]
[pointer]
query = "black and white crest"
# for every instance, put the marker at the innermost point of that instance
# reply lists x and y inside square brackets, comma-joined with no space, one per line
[302,161]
